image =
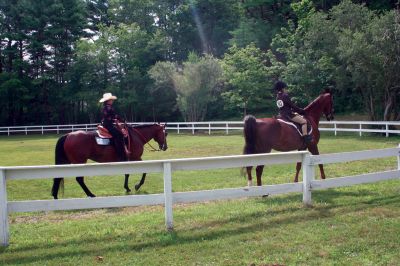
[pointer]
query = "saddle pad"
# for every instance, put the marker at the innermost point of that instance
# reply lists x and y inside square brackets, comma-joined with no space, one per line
[102,141]
[293,125]
[103,136]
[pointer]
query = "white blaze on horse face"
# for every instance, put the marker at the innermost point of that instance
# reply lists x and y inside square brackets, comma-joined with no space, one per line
[249,183]
[279,103]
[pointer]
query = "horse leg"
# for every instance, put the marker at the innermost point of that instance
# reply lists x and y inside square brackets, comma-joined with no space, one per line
[314,151]
[79,179]
[321,170]
[298,168]
[138,185]
[249,177]
[126,186]
[56,186]
[259,171]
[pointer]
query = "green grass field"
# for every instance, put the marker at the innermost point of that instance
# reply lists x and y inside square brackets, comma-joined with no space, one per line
[357,225]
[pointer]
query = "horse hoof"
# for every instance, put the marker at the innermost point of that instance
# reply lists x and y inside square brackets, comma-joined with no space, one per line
[92,196]
[137,187]
[128,190]
[264,196]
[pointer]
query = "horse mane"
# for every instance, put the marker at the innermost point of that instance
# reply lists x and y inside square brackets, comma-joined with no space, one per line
[143,126]
[316,100]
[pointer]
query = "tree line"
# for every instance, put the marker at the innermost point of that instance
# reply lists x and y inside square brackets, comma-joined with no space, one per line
[171,60]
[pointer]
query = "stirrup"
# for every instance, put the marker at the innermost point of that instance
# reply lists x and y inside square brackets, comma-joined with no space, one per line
[127,152]
[307,138]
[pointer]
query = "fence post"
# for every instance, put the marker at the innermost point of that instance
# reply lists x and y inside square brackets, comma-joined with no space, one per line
[4,231]
[360,130]
[209,128]
[308,176]
[26,131]
[334,124]
[42,130]
[58,130]
[178,128]
[387,130]
[169,223]
[398,159]
[193,129]
[227,128]
[8,131]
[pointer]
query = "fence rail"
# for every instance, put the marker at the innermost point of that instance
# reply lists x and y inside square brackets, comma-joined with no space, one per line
[167,167]
[384,127]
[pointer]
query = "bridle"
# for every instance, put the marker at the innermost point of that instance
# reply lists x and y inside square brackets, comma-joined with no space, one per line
[330,116]
[163,148]
[147,143]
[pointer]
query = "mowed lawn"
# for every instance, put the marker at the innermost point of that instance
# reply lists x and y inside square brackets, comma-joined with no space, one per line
[355,225]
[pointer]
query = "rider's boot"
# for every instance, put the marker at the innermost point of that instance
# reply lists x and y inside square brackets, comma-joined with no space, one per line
[306,137]
[121,150]
[127,151]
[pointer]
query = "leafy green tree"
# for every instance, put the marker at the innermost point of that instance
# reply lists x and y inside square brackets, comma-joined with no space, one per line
[195,82]
[350,47]
[372,56]
[15,91]
[163,92]
[260,20]
[119,62]
[196,86]
[245,73]
[203,26]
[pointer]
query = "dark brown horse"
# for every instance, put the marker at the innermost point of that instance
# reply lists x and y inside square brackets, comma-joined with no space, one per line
[263,135]
[77,147]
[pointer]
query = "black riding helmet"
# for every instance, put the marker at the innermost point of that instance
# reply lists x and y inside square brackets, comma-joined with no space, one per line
[279,86]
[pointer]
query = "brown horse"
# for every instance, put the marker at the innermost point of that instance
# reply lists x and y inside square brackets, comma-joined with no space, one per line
[79,146]
[263,135]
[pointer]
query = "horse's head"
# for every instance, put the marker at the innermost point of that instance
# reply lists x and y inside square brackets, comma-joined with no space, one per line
[161,137]
[328,104]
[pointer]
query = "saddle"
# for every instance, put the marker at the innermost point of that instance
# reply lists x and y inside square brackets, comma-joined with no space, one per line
[103,135]
[295,125]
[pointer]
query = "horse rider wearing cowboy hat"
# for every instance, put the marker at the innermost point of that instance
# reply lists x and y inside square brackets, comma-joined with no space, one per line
[289,111]
[109,117]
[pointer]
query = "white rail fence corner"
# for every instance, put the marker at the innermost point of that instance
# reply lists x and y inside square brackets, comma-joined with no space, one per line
[360,127]
[168,167]
[398,159]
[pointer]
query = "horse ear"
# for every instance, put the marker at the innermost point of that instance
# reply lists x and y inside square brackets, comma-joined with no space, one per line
[327,90]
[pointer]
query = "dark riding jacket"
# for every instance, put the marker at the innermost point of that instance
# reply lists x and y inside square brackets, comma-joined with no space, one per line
[108,114]
[108,117]
[286,106]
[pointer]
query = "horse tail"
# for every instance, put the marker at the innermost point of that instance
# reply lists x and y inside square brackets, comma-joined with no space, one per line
[60,158]
[250,126]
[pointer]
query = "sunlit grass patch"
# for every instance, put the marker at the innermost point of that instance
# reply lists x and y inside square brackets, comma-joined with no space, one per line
[357,225]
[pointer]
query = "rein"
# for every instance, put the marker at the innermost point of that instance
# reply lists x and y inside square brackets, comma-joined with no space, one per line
[144,140]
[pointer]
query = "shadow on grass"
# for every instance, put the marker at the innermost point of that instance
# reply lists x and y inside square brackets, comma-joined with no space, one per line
[241,224]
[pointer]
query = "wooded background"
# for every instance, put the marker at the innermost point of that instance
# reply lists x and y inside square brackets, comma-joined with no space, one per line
[172,60]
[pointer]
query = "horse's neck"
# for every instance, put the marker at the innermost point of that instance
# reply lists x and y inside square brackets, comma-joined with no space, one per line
[146,133]
[314,110]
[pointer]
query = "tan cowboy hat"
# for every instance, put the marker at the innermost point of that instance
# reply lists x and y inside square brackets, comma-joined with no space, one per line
[107,96]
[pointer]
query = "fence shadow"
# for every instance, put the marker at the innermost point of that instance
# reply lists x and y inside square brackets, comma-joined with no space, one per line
[254,222]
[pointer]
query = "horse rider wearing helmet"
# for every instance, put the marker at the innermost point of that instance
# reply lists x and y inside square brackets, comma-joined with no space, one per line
[289,111]
[109,118]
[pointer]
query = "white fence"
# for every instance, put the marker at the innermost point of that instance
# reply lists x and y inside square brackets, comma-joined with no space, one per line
[167,167]
[360,127]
